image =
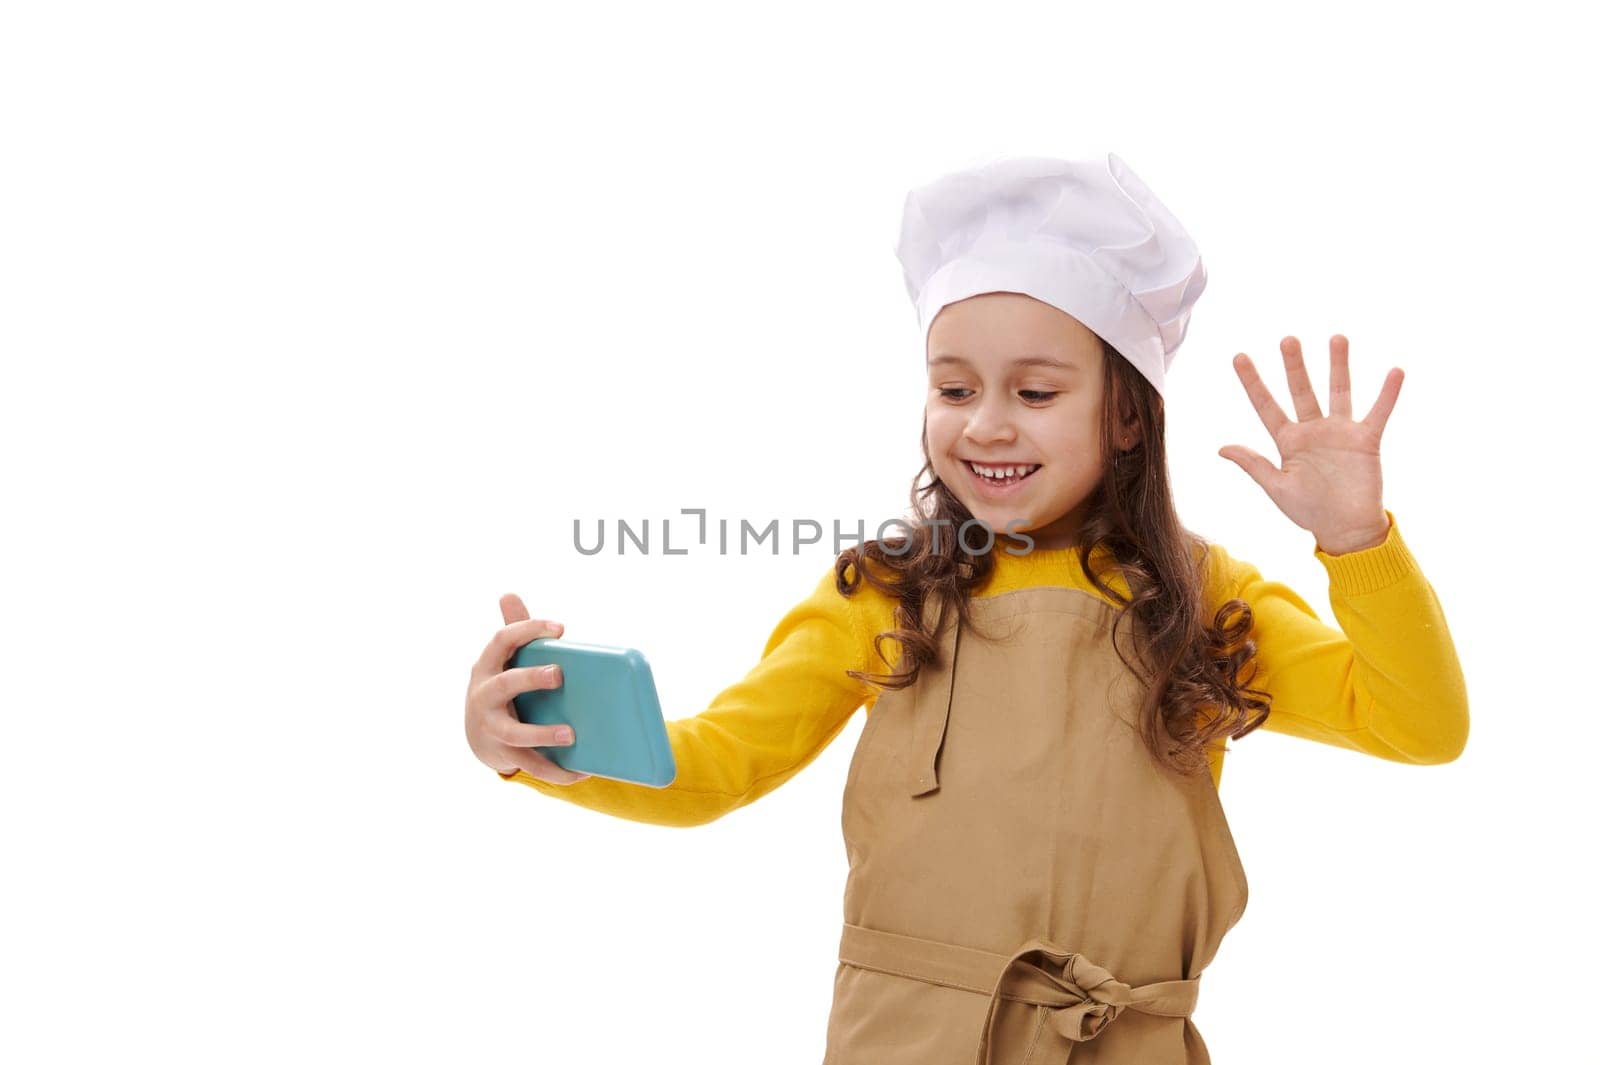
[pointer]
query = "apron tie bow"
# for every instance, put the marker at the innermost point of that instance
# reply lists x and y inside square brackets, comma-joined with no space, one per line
[1082,997]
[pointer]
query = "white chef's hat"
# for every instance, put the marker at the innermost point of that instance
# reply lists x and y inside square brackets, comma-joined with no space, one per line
[1086,237]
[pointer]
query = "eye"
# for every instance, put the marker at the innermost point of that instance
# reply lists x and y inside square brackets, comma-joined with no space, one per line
[1034,395]
[945,392]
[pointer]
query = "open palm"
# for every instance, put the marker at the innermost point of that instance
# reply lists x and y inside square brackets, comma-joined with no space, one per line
[1330,481]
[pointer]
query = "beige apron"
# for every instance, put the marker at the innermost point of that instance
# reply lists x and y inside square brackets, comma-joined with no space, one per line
[1025,884]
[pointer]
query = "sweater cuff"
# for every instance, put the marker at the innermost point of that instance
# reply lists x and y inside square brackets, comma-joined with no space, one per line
[1376,568]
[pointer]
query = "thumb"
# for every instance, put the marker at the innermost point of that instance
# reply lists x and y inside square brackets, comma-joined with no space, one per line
[1261,469]
[512,608]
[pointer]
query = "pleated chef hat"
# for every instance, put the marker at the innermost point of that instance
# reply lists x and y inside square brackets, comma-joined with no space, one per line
[1086,237]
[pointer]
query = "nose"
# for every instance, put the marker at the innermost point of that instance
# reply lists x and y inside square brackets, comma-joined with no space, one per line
[990,422]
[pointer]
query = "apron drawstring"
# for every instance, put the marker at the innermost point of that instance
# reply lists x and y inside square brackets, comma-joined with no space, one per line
[1081,997]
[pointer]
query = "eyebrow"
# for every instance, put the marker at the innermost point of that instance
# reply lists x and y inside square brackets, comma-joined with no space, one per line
[1030,360]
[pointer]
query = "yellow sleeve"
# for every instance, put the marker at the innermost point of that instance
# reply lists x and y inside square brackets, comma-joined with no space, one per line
[1389,684]
[757,733]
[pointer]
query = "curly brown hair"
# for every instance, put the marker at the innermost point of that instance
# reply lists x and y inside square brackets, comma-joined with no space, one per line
[1193,665]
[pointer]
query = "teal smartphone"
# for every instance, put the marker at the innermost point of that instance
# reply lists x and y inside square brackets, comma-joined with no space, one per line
[608,696]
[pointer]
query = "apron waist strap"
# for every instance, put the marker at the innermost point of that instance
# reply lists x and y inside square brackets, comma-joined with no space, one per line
[1081,997]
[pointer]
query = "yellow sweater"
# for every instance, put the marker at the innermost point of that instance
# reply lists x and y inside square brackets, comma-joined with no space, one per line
[1389,684]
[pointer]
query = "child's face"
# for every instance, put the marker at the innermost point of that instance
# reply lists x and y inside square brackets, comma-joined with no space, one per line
[987,406]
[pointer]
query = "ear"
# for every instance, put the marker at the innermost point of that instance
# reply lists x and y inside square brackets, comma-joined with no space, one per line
[1128,433]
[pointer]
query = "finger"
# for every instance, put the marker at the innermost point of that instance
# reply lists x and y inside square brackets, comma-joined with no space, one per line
[1261,469]
[1378,416]
[1306,407]
[1338,376]
[1267,408]
[501,688]
[537,765]
[505,643]
[513,733]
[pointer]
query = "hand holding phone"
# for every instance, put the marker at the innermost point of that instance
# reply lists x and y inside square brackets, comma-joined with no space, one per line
[499,740]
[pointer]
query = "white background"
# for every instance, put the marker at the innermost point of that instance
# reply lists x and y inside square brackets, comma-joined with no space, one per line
[322,322]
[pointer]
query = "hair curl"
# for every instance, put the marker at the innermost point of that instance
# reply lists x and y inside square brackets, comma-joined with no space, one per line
[1195,695]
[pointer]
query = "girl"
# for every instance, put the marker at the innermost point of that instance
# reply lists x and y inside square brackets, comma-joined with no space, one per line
[1039,863]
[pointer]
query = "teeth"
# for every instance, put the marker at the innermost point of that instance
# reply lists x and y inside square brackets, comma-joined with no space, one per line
[1003,472]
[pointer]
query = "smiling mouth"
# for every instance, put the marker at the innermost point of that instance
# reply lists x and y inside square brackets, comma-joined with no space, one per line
[1009,475]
